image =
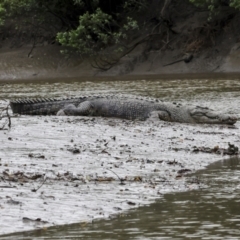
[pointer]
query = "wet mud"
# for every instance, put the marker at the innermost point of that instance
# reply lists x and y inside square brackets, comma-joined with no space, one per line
[63,170]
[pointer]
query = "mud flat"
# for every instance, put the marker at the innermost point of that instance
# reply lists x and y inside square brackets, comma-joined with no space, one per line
[63,170]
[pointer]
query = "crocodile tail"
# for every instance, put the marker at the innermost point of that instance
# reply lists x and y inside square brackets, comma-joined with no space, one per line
[15,107]
[20,106]
[33,106]
[42,106]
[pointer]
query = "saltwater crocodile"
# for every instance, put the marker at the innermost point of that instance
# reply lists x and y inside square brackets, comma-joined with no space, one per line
[126,107]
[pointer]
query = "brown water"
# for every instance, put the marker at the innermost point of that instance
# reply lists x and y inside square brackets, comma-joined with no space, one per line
[213,92]
[210,213]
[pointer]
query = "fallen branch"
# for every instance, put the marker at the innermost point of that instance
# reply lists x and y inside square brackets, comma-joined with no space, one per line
[35,190]
[8,117]
[121,179]
[186,59]
[7,187]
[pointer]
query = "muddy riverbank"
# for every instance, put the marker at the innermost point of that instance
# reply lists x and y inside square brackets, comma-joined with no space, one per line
[165,35]
[211,212]
[46,62]
[62,170]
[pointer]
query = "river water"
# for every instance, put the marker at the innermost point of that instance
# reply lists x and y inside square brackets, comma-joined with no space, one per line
[211,212]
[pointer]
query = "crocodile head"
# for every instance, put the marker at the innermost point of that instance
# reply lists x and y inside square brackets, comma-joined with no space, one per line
[196,115]
[206,115]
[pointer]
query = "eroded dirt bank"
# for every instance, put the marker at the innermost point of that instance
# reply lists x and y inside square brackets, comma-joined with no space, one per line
[48,63]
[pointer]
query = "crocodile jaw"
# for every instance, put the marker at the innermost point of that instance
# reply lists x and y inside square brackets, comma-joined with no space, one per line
[229,120]
[215,118]
[198,115]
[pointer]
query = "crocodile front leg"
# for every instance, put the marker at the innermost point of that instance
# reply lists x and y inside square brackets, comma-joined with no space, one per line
[83,109]
[163,115]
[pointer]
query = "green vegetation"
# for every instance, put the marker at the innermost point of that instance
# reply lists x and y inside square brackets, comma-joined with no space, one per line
[95,31]
[89,26]
[215,4]
[101,24]
[2,14]
[235,4]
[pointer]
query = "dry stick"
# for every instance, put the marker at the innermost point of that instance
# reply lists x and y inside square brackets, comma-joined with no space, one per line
[33,46]
[121,179]
[9,118]
[7,187]
[35,190]
[186,59]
